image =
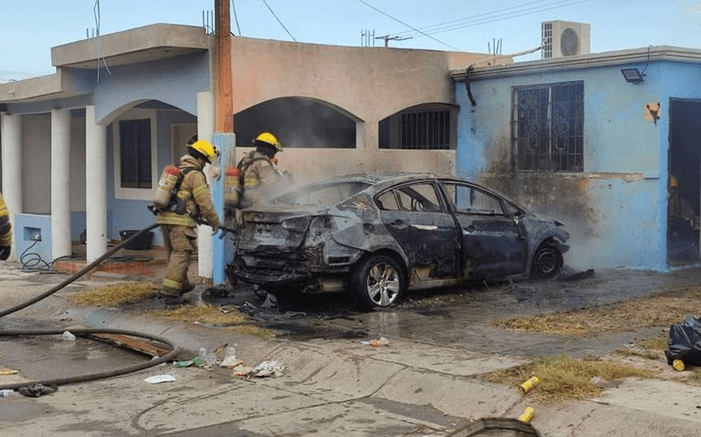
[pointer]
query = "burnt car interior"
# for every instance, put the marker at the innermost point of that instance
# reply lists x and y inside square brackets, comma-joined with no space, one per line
[415,197]
[321,195]
[468,200]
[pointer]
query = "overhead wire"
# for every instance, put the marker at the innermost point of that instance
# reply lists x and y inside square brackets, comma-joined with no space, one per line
[278,20]
[405,24]
[432,27]
[98,19]
[490,18]
[236,18]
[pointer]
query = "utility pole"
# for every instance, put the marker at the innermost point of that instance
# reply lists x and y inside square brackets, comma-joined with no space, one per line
[222,54]
[223,137]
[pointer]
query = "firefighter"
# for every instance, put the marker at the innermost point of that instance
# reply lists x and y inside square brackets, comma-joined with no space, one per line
[5,231]
[191,203]
[259,170]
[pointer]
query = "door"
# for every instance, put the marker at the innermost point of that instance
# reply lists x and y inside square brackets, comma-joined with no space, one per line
[423,227]
[684,191]
[493,243]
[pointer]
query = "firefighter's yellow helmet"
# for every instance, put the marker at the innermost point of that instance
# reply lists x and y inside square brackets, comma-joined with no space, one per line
[267,137]
[205,148]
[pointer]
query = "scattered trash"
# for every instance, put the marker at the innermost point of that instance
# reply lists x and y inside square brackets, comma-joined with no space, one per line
[67,336]
[36,390]
[159,378]
[528,385]
[685,342]
[188,363]
[268,368]
[678,365]
[230,359]
[243,371]
[8,372]
[207,358]
[527,415]
[5,393]
[376,342]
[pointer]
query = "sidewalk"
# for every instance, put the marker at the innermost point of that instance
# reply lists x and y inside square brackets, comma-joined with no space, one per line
[330,387]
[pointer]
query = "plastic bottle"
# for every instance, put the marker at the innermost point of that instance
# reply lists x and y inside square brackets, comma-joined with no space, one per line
[208,358]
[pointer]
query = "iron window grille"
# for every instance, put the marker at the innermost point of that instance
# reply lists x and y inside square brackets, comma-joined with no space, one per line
[547,127]
[426,130]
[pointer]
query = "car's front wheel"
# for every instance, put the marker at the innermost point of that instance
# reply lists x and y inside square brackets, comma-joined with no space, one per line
[547,262]
[378,281]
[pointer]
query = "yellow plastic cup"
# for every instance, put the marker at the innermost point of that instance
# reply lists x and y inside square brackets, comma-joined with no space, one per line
[678,365]
[528,385]
[527,415]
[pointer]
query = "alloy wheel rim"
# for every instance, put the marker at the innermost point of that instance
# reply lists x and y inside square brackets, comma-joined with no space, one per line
[382,284]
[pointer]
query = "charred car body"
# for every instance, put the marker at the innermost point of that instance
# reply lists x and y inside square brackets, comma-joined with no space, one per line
[383,235]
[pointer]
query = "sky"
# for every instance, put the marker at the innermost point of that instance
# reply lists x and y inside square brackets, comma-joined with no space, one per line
[31,27]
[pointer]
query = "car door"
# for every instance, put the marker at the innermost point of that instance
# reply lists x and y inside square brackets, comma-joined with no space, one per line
[423,226]
[494,244]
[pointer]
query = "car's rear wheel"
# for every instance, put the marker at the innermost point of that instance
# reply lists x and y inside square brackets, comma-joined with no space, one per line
[547,262]
[378,281]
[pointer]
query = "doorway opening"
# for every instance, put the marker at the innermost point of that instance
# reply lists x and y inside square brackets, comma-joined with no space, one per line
[684,184]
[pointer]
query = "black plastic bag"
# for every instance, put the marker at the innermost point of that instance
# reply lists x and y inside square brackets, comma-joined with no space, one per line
[685,342]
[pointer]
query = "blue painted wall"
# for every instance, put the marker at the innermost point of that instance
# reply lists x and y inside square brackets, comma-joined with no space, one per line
[175,81]
[616,209]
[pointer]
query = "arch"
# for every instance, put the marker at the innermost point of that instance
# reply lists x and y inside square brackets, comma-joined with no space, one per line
[299,122]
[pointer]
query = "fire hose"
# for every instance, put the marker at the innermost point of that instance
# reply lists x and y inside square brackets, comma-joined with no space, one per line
[173,349]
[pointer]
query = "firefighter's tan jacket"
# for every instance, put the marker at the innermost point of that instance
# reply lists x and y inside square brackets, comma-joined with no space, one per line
[5,227]
[195,193]
[259,177]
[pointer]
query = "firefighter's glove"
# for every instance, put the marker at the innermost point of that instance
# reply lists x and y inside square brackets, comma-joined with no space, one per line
[5,252]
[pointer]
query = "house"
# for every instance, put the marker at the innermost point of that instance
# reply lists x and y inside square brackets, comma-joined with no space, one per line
[593,140]
[82,149]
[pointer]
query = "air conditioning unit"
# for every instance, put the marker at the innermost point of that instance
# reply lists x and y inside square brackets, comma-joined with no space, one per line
[564,38]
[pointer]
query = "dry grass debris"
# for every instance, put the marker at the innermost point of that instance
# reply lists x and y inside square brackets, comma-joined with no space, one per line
[638,313]
[116,294]
[564,378]
[230,318]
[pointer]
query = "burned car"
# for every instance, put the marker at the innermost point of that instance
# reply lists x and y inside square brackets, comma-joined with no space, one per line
[380,236]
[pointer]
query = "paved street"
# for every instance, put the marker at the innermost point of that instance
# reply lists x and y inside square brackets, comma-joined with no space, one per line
[331,386]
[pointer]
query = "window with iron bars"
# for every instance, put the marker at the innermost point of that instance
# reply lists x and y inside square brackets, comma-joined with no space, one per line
[547,127]
[426,129]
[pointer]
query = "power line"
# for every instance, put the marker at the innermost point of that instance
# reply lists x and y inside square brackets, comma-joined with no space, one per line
[278,20]
[475,17]
[407,25]
[447,27]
